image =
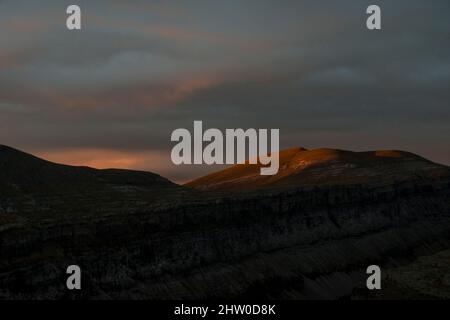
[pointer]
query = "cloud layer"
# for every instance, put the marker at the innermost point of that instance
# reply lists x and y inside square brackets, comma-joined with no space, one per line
[137,71]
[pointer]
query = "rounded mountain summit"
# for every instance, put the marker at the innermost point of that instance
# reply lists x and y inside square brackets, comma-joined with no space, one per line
[302,167]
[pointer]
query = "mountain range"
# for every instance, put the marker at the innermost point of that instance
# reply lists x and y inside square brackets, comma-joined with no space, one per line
[308,232]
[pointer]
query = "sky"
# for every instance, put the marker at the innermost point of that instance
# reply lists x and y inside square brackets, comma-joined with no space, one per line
[111,94]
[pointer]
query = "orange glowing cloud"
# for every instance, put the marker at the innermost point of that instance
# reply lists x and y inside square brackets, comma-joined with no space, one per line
[181,34]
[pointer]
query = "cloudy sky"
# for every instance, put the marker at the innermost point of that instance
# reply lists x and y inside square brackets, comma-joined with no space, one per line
[111,94]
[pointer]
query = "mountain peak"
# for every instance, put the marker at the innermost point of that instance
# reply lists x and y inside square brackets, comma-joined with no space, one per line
[299,166]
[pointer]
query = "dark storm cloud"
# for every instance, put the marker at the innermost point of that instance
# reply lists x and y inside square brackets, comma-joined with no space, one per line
[139,70]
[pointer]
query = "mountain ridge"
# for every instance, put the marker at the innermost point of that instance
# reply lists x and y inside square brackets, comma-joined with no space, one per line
[299,166]
[21,172]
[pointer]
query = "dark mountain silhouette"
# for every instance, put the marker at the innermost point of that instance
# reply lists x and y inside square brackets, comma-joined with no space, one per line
[22,173]
[33,187]
[301,167]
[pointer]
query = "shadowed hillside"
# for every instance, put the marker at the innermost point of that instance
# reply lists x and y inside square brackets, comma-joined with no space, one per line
[33,187]
[22,173]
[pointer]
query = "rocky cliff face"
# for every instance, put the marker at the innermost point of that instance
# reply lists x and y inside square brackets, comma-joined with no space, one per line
[307,242]
[296,244]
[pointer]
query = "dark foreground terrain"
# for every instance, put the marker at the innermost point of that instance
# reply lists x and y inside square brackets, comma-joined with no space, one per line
[136,235]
